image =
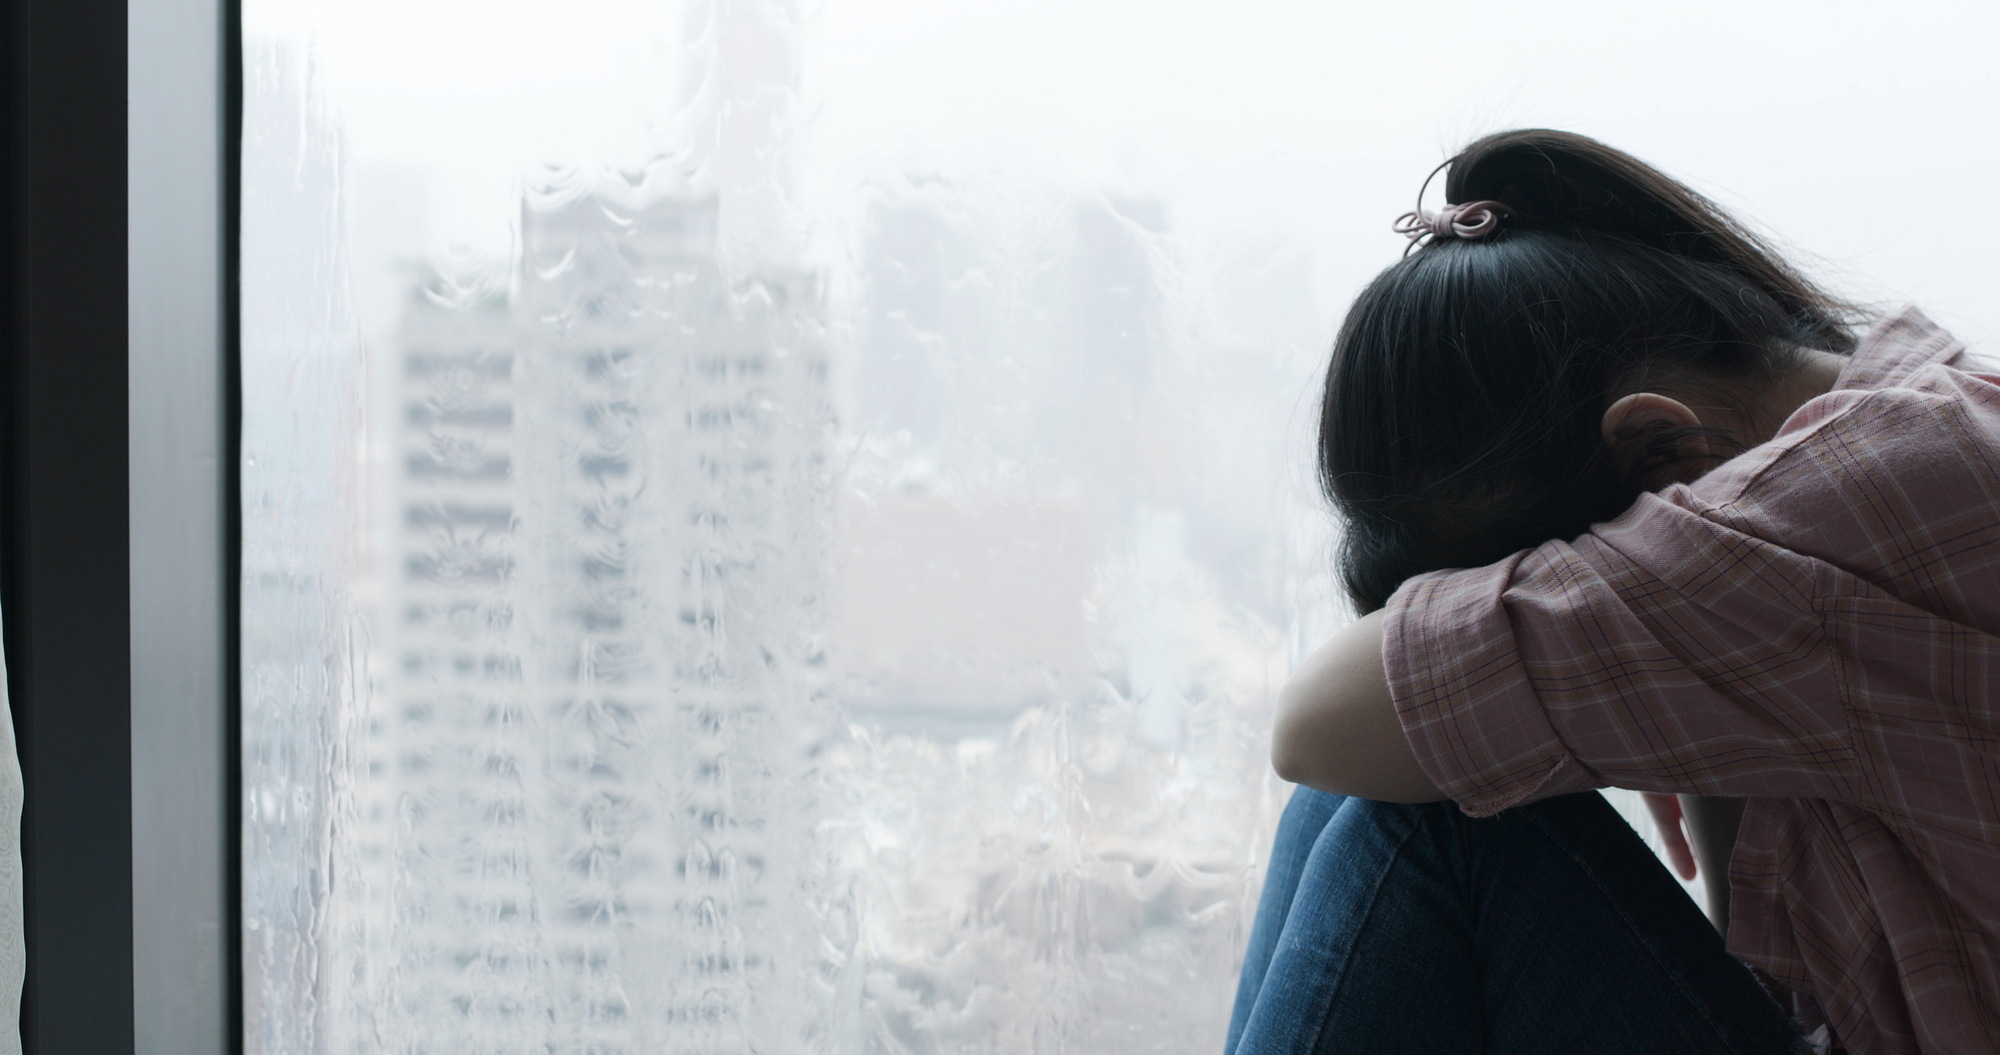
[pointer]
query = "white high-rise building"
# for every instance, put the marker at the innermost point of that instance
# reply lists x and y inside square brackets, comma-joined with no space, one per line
[609,524]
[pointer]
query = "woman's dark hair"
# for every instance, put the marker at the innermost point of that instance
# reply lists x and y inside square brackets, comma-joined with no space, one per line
[1461,417]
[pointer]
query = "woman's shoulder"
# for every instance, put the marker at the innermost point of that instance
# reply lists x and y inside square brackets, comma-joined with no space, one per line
[1893,480]
[1899,343]
[1909,406]
[1978,363]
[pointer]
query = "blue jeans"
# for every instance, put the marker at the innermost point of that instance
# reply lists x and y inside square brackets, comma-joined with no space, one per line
[1548,928]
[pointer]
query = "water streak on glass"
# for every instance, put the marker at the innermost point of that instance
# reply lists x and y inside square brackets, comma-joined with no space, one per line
[715,617]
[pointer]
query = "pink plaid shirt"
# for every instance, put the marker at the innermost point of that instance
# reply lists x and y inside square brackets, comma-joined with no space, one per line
[1814,625]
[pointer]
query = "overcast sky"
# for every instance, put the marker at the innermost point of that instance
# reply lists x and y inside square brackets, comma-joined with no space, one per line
[1862,134]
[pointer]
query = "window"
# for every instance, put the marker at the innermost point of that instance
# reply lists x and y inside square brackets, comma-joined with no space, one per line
[777,527]
[716,582]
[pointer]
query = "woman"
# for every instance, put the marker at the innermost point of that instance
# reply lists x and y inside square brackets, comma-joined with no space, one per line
[1718,547]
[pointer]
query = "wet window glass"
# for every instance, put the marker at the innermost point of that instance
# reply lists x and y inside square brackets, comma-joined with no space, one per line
[778,527]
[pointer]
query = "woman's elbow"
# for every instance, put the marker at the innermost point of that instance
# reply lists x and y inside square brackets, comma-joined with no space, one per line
[1346,740]
[1289,766]
[1290,757]
[1283,762]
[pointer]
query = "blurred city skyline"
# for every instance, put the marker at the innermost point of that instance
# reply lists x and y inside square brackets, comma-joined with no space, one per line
[647,637]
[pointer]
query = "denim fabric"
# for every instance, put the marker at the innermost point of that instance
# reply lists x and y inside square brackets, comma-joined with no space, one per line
[1547,928]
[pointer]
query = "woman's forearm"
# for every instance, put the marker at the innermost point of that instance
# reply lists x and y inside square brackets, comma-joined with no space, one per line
[1337,729]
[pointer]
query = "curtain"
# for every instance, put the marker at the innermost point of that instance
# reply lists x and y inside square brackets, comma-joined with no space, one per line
[13,933]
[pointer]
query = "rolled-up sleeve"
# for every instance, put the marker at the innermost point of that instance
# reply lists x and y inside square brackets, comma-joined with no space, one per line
[1663,652]
[1463,695]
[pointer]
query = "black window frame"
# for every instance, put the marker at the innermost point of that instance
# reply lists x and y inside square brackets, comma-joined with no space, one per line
[67,540]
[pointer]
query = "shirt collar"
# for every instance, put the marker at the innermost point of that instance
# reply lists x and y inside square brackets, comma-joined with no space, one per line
[1905,341]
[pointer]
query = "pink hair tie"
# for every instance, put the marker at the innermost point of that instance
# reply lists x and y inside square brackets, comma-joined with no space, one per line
[1471,221]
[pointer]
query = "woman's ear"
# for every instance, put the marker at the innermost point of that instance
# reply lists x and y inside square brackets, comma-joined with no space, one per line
[1633,425]
[1645,412]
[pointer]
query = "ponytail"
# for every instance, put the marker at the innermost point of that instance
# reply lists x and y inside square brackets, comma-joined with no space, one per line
[1564,180]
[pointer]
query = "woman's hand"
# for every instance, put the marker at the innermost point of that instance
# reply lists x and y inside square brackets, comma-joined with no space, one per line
[1337,728]
[1700,834]
[1667,817]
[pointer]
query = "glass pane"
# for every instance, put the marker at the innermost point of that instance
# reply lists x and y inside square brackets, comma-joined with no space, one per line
[715,583]
[776,526]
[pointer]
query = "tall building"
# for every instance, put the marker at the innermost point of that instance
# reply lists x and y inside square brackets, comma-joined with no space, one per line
[609,519]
